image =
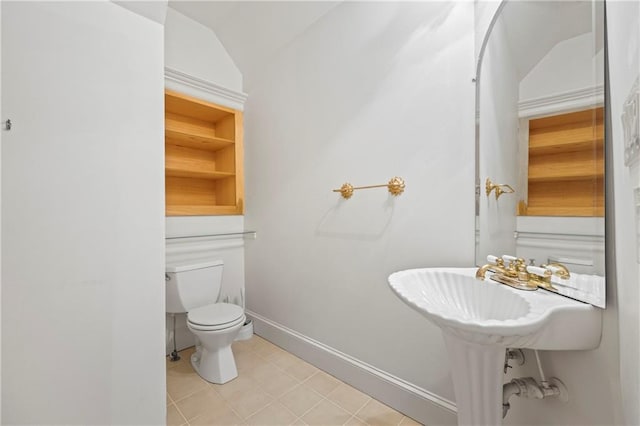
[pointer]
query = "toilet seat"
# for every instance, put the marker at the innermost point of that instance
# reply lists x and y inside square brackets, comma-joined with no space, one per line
[216,316]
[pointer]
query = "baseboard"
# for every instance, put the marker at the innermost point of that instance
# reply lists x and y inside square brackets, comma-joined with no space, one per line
[399,394]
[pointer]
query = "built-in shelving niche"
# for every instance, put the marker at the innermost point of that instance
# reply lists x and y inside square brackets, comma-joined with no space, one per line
[566,165]
[203,157]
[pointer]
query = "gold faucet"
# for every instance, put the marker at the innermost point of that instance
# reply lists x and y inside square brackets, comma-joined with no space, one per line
[558,269]
[514,272]
[515,266]
[540,277]
[508,270]
[495,265]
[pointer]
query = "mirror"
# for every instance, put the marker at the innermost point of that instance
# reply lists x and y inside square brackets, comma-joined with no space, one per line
[540,133]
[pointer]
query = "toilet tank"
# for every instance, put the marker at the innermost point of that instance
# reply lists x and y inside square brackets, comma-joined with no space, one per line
[191,285]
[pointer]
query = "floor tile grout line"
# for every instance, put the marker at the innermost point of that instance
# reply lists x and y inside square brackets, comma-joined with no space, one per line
[353,416]
[175,401]
[228,404]
[344,409]
[181,414]
[313,406]
[404,417]
[235,412]
[364,404]
[277,397]
[278,401]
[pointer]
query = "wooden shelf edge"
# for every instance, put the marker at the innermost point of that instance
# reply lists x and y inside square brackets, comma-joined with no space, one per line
[196,174]
[186,99]
[566,178]
[202,210]
[540,150]
[210,143]
[564,211]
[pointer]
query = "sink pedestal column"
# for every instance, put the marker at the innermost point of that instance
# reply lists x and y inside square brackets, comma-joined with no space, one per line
[477,380]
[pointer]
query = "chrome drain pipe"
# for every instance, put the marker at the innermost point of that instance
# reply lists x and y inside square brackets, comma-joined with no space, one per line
[528,387]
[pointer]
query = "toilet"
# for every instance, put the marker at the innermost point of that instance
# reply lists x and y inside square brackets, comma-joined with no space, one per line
[194,288]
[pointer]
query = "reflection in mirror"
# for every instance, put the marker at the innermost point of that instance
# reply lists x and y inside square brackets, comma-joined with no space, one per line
[540,130]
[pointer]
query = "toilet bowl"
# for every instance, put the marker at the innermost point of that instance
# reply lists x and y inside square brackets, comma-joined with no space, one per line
[194,288]
[215,327]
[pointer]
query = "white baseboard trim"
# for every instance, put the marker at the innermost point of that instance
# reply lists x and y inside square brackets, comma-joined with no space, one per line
[397,393]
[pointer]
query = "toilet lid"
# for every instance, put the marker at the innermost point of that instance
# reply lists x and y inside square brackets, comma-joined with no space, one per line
[215,314]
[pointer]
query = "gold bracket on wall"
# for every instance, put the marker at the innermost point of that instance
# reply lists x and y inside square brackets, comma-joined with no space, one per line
[500,188]
[395,186]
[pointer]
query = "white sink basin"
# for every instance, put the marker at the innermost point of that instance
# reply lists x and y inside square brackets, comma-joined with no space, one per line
[479,318]
[489,313]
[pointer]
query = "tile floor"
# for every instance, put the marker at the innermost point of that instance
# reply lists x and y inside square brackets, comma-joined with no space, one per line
[273,388]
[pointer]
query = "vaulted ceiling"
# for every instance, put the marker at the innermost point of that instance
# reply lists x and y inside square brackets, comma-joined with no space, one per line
[253,31]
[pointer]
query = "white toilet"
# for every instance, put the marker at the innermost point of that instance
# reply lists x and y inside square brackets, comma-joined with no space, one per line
[194,288]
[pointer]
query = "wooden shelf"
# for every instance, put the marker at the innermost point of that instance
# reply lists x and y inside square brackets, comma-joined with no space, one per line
[563,166]
[574,132]
[183,161]
[197,174]
[565,211]
[210,210]
[562,176]
[183,131]
[203,157]
[196,141]
[569,144]
[566,165]
[188,106]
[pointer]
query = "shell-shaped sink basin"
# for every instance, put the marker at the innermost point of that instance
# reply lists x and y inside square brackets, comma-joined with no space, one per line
[486,312]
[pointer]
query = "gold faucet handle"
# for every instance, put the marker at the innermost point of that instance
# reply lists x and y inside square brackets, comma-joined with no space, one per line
[540,277]
[539,271]
[509,260]
[559,270]
[494,260]
[512,264]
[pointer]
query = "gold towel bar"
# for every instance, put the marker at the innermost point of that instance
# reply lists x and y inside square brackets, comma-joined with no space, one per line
[395,187]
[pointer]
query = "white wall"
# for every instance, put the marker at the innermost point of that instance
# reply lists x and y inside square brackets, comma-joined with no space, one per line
[624,65]
[370,91]
[571,65]
[156,10]
[82,215]
[194,49]
[1,118]
[484,12]
[195,53]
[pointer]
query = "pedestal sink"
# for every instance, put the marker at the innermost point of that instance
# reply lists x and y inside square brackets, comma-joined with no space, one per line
[481,318]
